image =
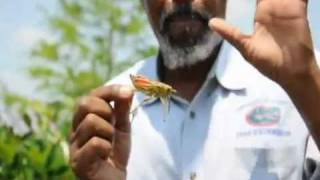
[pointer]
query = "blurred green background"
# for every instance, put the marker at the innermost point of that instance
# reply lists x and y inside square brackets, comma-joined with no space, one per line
[87,43]
[53,52]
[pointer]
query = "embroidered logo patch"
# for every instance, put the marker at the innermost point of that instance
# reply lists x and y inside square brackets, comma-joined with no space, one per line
[264,116]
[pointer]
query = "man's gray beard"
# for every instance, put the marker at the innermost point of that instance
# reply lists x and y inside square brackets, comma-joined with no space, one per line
[178,57]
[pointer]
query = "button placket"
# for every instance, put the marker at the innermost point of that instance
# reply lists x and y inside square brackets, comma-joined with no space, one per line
[193,176]
[192,115]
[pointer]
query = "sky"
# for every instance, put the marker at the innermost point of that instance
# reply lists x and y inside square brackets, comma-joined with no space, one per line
[22,25]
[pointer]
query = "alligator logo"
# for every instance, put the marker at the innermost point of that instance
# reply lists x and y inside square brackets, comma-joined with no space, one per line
[264,116]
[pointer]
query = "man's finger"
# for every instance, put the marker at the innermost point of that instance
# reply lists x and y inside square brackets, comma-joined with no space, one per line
[122,141]
[93,125]
[122,98]
[96,148]
[113,92]
[94,105]
[94,151]
[231,34]
[122,109]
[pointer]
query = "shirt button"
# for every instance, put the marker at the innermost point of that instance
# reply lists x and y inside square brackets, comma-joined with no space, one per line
[192,114]
[193,176]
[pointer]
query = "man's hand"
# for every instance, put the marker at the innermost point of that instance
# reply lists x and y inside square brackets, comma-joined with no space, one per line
[281,46]
[100,137]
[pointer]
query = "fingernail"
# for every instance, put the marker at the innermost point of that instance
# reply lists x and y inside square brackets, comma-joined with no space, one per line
[125,91]
[213,22]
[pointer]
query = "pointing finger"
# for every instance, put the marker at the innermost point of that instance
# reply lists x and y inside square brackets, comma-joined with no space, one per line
[232,34]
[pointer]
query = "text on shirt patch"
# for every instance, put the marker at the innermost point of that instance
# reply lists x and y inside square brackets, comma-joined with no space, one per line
[256,132]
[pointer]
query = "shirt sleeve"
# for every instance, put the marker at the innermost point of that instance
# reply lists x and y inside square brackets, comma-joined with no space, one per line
[311,170]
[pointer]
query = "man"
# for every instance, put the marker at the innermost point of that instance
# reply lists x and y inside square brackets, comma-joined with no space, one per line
[228,120]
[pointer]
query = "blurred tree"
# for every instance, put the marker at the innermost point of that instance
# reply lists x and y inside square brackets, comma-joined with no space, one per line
[91,41]
[32,146]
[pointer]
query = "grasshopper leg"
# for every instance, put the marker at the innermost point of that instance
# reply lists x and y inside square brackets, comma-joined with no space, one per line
[165,105]
[145,101]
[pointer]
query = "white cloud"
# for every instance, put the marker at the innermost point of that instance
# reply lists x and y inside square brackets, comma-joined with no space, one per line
[27,36]
[16,81]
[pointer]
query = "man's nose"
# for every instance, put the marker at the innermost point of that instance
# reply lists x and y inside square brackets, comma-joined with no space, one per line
[181,1]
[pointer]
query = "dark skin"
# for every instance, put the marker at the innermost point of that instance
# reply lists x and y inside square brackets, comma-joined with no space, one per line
[188,81]
[100,135]
[280,47]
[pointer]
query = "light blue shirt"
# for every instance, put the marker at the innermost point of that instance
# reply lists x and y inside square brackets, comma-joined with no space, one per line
[240,126]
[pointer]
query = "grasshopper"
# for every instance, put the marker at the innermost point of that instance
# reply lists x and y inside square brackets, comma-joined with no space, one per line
[153,90]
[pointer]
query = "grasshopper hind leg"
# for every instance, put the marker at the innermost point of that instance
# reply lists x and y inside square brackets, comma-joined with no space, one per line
[165,104]
[145,101]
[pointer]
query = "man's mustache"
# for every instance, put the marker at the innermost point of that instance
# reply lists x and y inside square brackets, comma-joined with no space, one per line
[183,9]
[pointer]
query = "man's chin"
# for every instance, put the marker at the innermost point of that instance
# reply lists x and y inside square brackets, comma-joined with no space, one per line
[186,54]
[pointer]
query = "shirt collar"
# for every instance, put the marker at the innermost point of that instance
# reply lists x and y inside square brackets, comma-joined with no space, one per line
[230,69]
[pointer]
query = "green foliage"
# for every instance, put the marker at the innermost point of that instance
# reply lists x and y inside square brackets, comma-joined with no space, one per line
[39,153]
[91,41]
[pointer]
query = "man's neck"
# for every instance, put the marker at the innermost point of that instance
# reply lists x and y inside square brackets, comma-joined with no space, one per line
[188,80]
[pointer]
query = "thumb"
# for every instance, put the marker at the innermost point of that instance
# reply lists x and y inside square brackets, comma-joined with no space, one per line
[122,140]
[122,109]
[232,34]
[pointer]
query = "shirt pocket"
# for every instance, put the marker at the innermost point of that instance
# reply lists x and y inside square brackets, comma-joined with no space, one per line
[269,163]
[268,140]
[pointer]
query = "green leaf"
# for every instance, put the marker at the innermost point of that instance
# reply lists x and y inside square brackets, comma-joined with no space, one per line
[134,26]
[67,28]
[47,50]
[43,72]
[72,9]
[8,146]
